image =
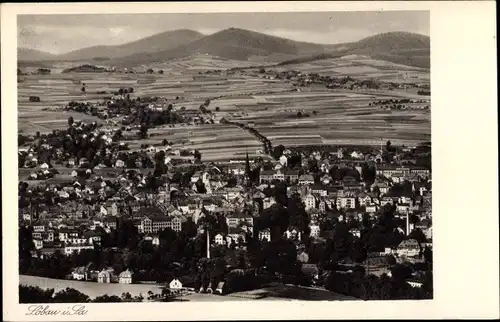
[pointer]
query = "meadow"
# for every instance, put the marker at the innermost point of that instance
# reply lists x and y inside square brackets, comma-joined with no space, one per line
[332,116]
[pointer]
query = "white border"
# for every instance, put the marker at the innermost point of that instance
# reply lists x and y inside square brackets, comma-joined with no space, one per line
[465,170]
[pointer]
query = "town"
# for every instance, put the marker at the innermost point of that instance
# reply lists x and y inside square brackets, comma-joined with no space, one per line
[347,219]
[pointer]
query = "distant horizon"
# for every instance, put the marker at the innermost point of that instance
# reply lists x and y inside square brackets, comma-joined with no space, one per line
[61,34]
[205,34]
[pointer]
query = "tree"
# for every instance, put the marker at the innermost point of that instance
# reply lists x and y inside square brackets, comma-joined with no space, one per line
[70,295]
[315,113]
[428,255]
[126,297]
[34,294]
[107,299]
[388,146]
[418,235]
[278,151]
[217,109]
[160,72]
[197,155]
[143,132]
[70,120]
[299,114]
[401,272]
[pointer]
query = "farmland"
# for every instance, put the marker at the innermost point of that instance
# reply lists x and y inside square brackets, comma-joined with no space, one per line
[334,116]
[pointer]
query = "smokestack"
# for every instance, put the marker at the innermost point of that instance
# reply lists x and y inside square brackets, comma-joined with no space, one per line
[208,244]
[407,223]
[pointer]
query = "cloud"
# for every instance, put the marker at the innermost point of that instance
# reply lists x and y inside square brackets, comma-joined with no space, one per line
[325,36]
[59,40]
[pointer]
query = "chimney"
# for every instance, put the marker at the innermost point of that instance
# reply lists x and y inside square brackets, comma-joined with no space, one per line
[208,244]
[407,223]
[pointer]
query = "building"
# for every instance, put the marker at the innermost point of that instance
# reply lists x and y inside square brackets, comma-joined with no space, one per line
[408,248]
[267,176]
[306,179]
[319,190]
[390,170]
[237,219]
[347,200]
[70,248]
[175,284]
[125,277]
[80,274]
[414,283]
[355,232]
[219,239]
[309,202]
[314,230]
[104,276]
[268,202]
[265,235]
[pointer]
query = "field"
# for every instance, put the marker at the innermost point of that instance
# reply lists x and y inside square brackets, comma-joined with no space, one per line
[334,116]
[271,293]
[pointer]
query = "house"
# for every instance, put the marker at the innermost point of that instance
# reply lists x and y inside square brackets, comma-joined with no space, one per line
[414,283]
[347,200]
[319,190]
[104,276]
[309,201]
[371,208]
[175,284]
[355,232]
[408,248]
[219,239]
[38,243]
[292,176]
[155,240]
[125,277]
[364,199]
[314,230]
[237,219]
[386,200]
[80,273]
[220,288]
[306,179]
[265,235]
[70,248]
[283,160]
[83,162]
[268,202]
[293,234]
[357,155]
[119,164]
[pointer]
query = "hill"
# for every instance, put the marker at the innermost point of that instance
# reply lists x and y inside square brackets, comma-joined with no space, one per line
[239,44]
[160,42]
[28,54]
[85,69]
[397,47]
[232,43]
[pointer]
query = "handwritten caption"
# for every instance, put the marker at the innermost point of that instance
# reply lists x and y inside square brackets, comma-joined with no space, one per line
[77,309]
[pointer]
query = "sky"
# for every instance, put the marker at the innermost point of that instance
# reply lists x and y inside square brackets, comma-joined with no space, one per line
[64,33]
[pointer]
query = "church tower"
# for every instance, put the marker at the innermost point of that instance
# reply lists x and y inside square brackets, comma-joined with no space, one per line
[247,170]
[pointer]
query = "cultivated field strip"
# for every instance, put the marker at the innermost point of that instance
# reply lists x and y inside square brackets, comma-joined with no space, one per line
[269,105]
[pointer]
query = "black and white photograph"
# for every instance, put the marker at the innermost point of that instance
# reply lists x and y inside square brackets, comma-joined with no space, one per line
[225,157]
[212,157]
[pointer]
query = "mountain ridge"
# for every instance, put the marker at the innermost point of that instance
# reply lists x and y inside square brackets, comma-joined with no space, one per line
[240,44]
